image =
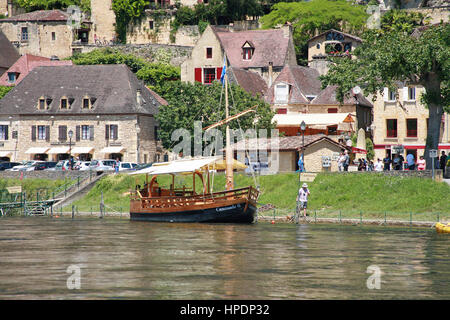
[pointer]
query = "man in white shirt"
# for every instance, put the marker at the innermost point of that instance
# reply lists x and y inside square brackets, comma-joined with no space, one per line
[302,197]
[378,165]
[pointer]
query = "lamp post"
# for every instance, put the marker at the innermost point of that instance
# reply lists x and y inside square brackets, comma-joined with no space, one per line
[138,130]
[301,160]
[70,148]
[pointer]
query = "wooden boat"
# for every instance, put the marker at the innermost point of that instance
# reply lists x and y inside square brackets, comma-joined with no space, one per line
[152,203]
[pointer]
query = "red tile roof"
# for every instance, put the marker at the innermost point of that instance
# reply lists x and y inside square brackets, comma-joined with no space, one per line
[25,64]
[270,46]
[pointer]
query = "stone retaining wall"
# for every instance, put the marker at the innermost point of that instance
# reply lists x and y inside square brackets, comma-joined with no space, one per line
[42,174]
[400,173]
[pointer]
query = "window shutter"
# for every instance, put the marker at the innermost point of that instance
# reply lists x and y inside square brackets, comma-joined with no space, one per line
[77,133]
[107,132]
[91,133]
[198,74]
[62,133]
[219,73]
[386,94]
[405,93]
[33,133]
[6,132]
[47,133]
[116,132]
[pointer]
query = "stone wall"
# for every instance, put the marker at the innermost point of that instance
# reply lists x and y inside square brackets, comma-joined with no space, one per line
[404,173]
[43,174]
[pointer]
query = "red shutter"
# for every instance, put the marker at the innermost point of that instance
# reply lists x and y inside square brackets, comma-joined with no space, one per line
[282,111]
[198,74]
[218,73]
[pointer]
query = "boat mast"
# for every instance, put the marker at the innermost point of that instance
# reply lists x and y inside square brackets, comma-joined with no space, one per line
[228,151]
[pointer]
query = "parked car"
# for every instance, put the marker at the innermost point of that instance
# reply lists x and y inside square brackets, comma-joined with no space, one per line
[23,165]
[8,165]
[62,165]
[44,165]
[102,165]
[127,166]
[82,165]
[31,167]
[143,165]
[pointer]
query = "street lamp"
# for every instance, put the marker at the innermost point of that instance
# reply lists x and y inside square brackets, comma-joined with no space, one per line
[70,148]
[303,128]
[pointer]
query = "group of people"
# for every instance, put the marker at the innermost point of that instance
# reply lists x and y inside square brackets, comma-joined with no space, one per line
[399,163]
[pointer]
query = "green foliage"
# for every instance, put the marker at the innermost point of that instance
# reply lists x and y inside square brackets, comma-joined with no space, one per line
[33,5]
[316,15]
[153,74]
[370,149]
[196,102]
[127,11]
[402,21]
[4,90]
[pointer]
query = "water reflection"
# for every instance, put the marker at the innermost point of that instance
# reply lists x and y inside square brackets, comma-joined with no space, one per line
[123,259]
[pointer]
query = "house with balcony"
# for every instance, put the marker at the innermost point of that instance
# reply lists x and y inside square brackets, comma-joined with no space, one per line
[89,112]
[400,123]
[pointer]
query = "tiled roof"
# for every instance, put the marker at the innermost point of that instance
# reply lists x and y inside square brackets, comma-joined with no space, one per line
[290,143]
[334,30]
[270,46]
[8,53]
[328,96]
[250,81]
[25,64]
[113,87]
[40,15]
[304,81]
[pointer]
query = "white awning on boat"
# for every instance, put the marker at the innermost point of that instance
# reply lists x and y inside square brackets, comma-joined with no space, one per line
[5,153]
[112,150]
[188,165]
[78,150]
[57,150]
[36,150]
[316,119]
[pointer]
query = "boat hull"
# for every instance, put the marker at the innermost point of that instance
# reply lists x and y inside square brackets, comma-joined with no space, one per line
[236,213]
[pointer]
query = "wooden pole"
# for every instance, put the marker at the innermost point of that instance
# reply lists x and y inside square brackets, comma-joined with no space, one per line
[229,152]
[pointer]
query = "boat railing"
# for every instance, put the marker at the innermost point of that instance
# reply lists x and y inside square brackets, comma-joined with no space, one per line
[173,201]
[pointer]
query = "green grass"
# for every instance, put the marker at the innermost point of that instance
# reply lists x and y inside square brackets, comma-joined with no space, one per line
[332,195]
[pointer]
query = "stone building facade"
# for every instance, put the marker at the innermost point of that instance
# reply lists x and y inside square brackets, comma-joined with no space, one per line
[402,122]
[108,111]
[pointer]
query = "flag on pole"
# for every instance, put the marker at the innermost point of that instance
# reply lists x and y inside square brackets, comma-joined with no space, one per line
[224,70]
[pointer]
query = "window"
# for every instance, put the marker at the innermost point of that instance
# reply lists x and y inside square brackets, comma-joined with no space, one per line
[111,132]
[11,77]
[24,34]
[391,125]
[209,75]
[332,110]
[281,93]
[85,133]
[53,36]
[41,132]
[3,132]
[282,111]
[411,128]
[318,46]
[208,53]
[151,24]
[248,53]
[64,103]
[391,95]
[411,93]
[42,105]
[86,103]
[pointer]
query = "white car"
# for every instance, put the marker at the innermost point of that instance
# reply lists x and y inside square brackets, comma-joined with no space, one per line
[127,166]
[24,167]
[82,165]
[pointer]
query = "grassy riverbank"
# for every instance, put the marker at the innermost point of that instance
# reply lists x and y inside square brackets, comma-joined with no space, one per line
[31,186]
[332,195]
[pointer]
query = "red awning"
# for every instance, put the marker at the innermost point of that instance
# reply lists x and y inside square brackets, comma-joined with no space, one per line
[358,150]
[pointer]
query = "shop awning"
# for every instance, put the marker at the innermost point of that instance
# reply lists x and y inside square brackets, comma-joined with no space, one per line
[56,150]
[316,119]
[5,153]
[78,150]
[112,150]
[37,150]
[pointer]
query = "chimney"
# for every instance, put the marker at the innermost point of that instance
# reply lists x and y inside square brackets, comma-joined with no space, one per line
[138,97]
[231,27]
[270,73]
[287,29]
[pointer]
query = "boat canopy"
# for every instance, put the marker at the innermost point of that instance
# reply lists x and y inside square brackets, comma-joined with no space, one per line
[189,166]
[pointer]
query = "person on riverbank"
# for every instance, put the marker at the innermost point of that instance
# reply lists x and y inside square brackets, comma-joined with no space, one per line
[421,163]
[443,162]
[387,163]
[378,166]
[397,162]
[341,161]
[346,160]
[302,199]
[410,161]
[116,166]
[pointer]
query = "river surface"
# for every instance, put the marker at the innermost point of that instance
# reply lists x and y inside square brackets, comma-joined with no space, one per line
[114,258]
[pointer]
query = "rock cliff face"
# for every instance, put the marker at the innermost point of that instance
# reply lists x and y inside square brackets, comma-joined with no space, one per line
[411,4]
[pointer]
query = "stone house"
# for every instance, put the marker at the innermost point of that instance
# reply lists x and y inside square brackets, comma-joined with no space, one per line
[19,70]
[401,122]
[264,52]
[320,152]
[330,43]
[44,33]
[297,89]
[90,112]
[8,54]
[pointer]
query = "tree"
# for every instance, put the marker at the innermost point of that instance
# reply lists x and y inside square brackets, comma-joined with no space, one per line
[196,102]
[127,11]
[33,5]
[4,90]
[386,57]
[310,17]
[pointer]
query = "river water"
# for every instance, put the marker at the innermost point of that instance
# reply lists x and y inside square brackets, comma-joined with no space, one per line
[114,258]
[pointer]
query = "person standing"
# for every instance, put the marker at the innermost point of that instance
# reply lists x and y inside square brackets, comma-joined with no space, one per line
[410,161]
[421,164]
[387,163]
[346,160]
[341,162]
[116,165]
[302,197]
[397,162]
[378,166]
[443,162]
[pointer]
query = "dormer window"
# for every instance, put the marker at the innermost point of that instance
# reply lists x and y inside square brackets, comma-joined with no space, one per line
[64,103]
[281,93]
[43,103]
[247,50]
[12,77]
[86,103]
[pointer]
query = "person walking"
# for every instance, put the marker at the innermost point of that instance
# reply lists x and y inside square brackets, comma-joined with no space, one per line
[410,161]
[302,200]
[443,162]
